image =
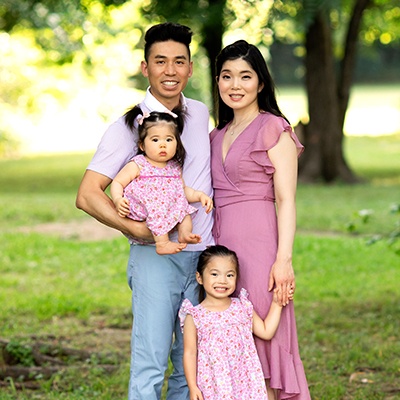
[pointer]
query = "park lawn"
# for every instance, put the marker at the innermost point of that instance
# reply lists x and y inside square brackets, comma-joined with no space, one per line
[74,293]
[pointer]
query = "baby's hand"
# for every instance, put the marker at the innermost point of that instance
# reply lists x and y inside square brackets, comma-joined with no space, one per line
[207,202]
[122,206]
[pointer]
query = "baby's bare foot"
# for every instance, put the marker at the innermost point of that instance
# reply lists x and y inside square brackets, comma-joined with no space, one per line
[189,237]
[163,248]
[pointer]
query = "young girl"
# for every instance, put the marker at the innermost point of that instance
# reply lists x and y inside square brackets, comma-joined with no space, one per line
[150,187]
[220,359]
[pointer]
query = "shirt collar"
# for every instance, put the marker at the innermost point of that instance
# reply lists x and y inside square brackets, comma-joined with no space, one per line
[152,104]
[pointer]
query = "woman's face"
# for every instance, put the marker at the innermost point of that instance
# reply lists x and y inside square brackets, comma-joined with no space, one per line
[238,85]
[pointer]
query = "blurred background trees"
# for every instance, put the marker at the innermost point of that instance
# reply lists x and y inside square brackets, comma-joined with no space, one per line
[323,45]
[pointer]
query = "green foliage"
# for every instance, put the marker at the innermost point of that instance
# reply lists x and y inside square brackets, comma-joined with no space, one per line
[8,145]
[20,352]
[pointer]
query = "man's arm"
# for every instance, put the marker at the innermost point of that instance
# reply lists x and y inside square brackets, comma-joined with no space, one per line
[92,199]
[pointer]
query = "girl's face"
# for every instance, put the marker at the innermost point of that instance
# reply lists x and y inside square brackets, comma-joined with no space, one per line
[238,85]
[219,277]
[160,143]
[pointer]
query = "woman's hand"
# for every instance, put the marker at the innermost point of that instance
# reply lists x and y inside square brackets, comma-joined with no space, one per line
[282,279]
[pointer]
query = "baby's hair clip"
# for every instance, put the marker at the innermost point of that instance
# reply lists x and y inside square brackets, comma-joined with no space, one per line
[143,117]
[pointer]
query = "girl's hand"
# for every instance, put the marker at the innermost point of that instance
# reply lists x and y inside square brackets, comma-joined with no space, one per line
[195,394]
[282,278]
[207,202]
[122,206]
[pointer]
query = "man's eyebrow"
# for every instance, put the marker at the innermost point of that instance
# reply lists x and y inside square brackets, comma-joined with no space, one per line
[181,57]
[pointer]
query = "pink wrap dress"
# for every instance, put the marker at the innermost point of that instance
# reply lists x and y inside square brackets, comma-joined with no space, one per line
[246,222]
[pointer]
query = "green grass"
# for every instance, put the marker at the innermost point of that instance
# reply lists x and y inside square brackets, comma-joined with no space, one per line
[64,290]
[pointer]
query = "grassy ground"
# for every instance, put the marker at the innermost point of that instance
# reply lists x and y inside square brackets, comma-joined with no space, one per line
[74,294]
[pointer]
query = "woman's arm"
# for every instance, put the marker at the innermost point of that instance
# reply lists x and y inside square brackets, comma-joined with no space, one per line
[190,357]
[284,158]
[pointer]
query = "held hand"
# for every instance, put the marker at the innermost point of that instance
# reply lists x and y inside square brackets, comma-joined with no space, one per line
[206,202]
[282,278]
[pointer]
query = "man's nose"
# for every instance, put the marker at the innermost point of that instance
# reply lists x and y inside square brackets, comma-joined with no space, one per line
[170,69]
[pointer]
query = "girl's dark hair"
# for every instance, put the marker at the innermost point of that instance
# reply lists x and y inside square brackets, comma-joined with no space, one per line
[155,117]
[266,97]
[207,255]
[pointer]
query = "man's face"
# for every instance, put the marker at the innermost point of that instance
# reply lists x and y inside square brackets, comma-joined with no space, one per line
[168,69]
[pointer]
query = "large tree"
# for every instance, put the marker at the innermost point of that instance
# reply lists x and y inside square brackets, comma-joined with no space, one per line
[330,33]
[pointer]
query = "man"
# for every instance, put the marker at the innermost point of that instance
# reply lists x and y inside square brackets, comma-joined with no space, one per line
[158,283]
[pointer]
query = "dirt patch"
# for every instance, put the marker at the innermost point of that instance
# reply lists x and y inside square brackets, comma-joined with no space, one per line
[85,230]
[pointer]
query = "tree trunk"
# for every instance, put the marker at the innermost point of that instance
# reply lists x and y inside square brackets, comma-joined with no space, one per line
[212,32]
[323,135]
[349,57]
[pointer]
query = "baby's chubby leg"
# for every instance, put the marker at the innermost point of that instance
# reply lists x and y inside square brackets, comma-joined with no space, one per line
[165,246]
[185,234]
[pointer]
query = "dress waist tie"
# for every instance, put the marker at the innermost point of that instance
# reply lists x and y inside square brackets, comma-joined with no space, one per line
[228,202]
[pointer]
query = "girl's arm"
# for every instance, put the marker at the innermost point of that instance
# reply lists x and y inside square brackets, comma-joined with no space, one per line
[284,158]
[194,196]
[265,329]
[127,174]
[190,357]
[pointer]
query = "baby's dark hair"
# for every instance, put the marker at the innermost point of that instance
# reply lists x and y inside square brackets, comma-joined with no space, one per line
[153,118]
[207,255]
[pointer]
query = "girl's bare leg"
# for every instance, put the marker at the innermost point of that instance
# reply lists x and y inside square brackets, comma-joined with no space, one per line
[185,234]
[271,392]
[165,246]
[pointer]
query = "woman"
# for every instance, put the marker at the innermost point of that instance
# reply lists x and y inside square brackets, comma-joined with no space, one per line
[254,155]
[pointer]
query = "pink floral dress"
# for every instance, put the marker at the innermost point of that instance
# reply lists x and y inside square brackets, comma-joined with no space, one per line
[157,196]
[227,366]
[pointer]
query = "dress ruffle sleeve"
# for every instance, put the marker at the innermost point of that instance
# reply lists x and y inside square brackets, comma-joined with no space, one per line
[270,130]
[246,304]
[186,308]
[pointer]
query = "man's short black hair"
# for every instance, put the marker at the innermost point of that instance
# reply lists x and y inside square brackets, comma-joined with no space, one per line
[164,32]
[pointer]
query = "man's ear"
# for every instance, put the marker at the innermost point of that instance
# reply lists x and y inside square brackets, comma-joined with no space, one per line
[143,67]
[199,279]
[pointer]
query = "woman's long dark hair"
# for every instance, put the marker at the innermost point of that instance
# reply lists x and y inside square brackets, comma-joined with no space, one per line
[266,97]
[207,255]
[153,118]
